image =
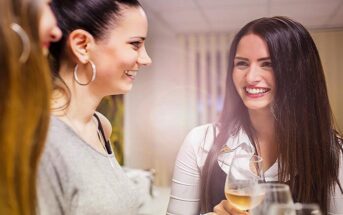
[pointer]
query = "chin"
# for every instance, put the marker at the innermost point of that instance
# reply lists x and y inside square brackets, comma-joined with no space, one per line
[126,89]
[257,106]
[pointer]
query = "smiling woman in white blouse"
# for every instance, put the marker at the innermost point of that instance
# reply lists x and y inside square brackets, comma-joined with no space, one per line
[276,101]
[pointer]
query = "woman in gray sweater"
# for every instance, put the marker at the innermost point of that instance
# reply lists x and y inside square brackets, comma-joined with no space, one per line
[100,54]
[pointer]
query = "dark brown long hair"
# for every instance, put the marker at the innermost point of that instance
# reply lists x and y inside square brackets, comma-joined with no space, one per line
[309,148]
[24,107]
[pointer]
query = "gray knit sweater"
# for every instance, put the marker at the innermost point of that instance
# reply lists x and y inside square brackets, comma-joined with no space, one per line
[74,178]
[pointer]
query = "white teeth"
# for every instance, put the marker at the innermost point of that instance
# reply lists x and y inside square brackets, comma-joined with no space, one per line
[255,90]
[131,73]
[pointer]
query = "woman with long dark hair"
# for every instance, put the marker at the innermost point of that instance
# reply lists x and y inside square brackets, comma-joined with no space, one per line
[100,53]
[276,101]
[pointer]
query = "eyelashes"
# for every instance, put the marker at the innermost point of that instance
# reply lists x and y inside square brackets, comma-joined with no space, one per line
[241,63]
[267,64]
[136,44]
[245,64]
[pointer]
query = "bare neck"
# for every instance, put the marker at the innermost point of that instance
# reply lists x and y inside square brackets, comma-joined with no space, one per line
[83,102]
[263,122]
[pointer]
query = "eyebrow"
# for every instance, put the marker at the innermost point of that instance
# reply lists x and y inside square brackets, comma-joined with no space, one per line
[246,59]
[141,38]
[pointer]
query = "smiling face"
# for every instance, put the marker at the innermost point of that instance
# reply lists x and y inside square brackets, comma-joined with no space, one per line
[48,29]
[122,52]
[253,74]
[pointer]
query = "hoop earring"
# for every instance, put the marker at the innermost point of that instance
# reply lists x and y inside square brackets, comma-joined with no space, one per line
[24,40]
[93,74]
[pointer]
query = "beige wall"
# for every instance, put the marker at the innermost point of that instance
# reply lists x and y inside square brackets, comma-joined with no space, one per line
[330,46]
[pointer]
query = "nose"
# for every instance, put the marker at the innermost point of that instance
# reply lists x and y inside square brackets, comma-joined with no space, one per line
[253,75]
[55,34]
[143,58]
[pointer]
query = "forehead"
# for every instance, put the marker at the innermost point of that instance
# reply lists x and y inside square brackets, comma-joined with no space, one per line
[252,45]
[132,23]
[131,19]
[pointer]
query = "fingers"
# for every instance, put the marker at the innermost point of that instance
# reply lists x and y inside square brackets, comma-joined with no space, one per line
[225,208]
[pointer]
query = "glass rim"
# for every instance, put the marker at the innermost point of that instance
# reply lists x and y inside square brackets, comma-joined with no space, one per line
[297,206]
[275,186]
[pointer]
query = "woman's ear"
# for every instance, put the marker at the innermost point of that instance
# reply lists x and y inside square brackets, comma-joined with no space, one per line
[80,42]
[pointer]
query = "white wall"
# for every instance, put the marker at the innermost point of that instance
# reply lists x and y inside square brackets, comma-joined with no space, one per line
[156,115]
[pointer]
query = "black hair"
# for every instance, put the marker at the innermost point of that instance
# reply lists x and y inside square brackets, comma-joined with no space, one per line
[93,16]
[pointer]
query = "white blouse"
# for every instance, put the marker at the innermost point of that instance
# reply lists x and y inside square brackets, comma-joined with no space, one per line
[186,186]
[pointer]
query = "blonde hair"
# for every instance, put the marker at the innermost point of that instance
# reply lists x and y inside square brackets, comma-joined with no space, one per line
[24,107]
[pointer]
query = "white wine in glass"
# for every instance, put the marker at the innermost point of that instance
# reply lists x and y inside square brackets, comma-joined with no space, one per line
[244,175]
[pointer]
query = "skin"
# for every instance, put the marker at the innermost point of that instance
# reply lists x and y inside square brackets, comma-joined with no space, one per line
[254,81]
[48,29]
[121,52]
[253,72]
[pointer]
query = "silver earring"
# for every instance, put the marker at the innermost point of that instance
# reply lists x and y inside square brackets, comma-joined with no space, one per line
[93,74]
[25,42]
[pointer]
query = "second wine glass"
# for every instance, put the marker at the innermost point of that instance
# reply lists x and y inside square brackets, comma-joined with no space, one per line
[294,209]
[274,193]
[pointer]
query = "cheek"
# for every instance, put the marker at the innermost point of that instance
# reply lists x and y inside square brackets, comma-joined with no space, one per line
[46,24]
[42,29]
[129,58]
[114,64]
[236,78]
[119,57]
[125,62]
[271,79]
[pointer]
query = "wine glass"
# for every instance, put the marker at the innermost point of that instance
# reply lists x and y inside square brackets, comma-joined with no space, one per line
[240,186]
[294,209]
[273,193]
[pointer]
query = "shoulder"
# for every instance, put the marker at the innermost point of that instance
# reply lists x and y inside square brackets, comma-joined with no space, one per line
[200,138]
[61,140]
[106,124]
[200,132]
[59,133]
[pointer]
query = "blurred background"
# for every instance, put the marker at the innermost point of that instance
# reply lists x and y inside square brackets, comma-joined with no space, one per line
[188,42]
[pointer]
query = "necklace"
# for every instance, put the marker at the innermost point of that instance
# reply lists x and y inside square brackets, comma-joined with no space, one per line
[102,141]
[100,137]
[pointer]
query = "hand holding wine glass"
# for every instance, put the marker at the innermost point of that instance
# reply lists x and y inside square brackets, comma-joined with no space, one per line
[241,181]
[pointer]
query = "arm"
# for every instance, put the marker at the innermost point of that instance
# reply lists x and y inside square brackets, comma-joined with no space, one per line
[185,188]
